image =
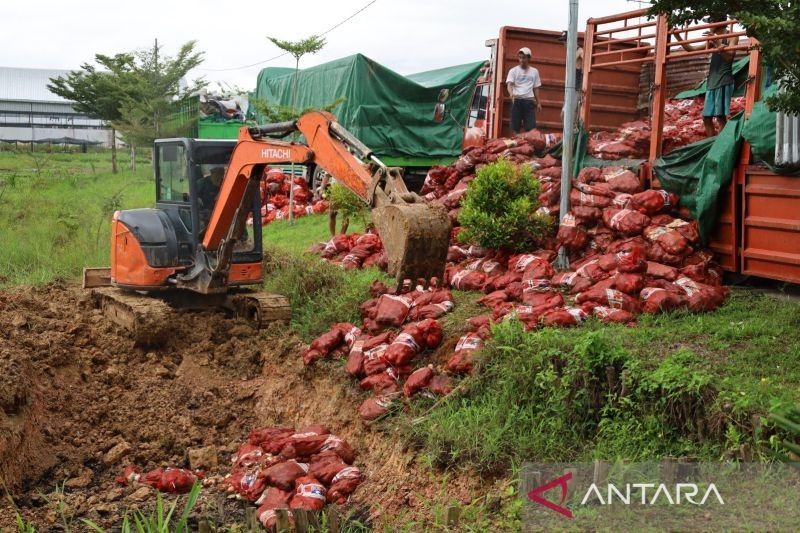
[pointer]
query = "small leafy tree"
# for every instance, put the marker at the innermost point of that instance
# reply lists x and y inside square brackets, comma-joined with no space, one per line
[284,113]
[776,25]
[499,210]
[297,49]
[347,204]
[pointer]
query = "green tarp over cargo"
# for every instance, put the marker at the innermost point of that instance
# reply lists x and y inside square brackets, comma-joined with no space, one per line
[390,113]
[697,172]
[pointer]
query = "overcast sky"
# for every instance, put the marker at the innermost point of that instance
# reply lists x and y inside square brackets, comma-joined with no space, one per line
[405,35]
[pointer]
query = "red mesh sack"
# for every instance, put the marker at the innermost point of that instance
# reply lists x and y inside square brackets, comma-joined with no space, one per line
[609,315]
[621,179]
[465,280]
[310,495]
[392,310]
[343,484]
[670,240]
[325,465]
[629,283]
[304,443]
[374,360]
[656,253]
[492,299]
[374,407]
[564,317]
[572,281]
[655,300]
[247,454]
[247,483]
[271,499]
[340,447]
[456,254]
[591,270]
[501,282]
[383,383]
[701,297]
[461,360]
[270,439]
[657,270]
[625,221]
[172,480]
[538,269]
[653,201]
[577,197]
[430,311]
[418,380]
[283,475]
[586,216]
[610,298]
[570,235]
[597,189]
[589,175]
[687,229]
[441,385]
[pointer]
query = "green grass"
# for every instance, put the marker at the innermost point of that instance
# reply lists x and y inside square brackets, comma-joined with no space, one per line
[55,211]
[691,382]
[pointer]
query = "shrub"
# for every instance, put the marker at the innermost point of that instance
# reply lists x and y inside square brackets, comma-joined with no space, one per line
[348,204]
[499,210]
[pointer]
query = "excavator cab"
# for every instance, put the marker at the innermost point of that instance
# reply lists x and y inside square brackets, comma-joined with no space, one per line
[189,174]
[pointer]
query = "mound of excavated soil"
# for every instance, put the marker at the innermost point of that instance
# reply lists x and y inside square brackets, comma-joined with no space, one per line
[78,401]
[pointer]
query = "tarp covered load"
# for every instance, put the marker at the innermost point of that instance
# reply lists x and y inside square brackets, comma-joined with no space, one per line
[390,113]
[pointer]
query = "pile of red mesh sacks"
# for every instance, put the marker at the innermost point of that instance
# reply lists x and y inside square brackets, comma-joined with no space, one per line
[284,468]
[398,327]
[353,251]
[683,124]
[275,190]
[173,480]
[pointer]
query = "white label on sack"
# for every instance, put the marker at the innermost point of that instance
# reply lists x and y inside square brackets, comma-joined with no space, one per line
[309,210]
[582,271]
[614,298]
[647,292]
[664,194]
[351,336]
[445,306]
[350,258]
[567,279]
[677,223]
[654,232]
[375,352]
[392,373]
[408,340]
[524,261]
[544,210]
[260,500]
[304,466]
[270,207]
[400,299]
[331,443]
[330,246]
[689,286]
[549,140]
[569,220]
[311,490]
[488,266]
[458,277]
[304,435]
[577,313]
[613,172]
[616,219]
[524,309]
[474,265]
[536,285]
[470,341]
[351,472]
[622,200]
[601,311]
[585,199]
[358,347]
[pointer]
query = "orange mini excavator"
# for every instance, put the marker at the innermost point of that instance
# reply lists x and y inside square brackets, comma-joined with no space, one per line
[195,249]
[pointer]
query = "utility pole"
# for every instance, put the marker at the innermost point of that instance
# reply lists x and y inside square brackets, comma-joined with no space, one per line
[570,95]
[155,82]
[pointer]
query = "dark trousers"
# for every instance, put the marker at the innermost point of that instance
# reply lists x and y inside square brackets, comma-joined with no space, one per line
[523,113]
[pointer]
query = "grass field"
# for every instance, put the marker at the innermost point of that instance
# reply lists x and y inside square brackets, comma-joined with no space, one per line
[55,211]
[678,384]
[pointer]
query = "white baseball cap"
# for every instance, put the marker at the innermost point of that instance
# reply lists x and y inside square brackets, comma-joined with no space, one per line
[525,50]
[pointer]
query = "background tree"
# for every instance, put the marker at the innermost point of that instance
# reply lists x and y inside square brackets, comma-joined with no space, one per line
[776,25]
[152,111]
[99,93]
[297,49]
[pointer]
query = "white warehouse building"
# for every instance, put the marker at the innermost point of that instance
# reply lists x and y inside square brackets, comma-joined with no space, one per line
[29,112]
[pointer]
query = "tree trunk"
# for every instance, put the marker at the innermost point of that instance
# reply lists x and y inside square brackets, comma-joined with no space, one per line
[133,157]
[114,150]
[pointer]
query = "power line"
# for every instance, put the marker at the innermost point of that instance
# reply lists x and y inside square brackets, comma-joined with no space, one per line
[287,53]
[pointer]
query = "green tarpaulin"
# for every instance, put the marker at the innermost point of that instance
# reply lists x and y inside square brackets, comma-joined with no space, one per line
[739,76]
[698,171]
[390,113]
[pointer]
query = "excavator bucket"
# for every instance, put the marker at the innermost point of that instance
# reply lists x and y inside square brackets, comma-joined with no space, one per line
[416,237]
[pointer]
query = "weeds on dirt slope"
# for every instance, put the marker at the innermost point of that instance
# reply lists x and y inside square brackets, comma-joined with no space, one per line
[321,293]
[55,212]
[675,384]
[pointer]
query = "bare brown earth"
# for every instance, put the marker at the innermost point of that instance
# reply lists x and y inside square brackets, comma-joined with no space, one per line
[73,386]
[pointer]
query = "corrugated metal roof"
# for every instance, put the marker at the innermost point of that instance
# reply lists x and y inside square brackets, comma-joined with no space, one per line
[28,84]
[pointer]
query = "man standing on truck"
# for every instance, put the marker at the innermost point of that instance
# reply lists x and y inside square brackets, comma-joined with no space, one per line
[720,82]
[523,84]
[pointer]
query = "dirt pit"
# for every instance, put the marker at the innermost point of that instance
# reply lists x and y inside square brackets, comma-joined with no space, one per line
[78,401]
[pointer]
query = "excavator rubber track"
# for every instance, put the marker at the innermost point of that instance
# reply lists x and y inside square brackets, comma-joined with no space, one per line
[148,317]
[145,317]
